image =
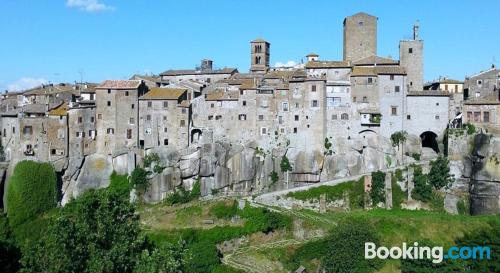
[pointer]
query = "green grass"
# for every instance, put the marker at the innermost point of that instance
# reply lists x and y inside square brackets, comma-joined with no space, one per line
[354,189]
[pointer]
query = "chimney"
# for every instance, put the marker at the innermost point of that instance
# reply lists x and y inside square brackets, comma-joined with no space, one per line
[416,28]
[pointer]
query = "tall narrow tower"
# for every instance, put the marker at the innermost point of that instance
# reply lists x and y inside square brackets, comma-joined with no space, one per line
[360,36]
[411,57]
[259,52]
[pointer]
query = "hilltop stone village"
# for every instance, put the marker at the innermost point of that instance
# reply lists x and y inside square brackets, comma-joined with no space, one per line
[232,130]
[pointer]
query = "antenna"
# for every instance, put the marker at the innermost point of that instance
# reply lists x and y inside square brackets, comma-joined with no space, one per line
[81,72]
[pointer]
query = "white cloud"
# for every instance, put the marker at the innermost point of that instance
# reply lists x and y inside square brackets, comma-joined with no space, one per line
[287,64]
[25,83]
[89,5]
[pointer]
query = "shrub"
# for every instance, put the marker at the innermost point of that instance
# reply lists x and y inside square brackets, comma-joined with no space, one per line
[416,156]
[31,192]
[196,191]
[470,128]
[285,164]
[398,195]
[139,179]
[119,184]
[274,177]
[342,251]
[463,207]
[377,192]
[439,175]
[223,211]
[399,175]
[422,190]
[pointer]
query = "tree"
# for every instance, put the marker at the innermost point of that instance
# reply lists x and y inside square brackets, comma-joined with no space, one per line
[377,192]
[9,252]
[139,179]
[399,138]
[422,190]
[98,232]
[439,175]
[285,166]
[32,191]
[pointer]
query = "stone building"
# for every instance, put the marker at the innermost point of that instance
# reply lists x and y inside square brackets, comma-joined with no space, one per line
[117,111]
[164,118]
[360,36]
[483,114]
[411,57]
[452,87]
[205,74]
[483,86]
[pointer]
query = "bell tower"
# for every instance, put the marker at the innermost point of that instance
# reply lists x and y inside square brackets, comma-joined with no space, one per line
[259,52]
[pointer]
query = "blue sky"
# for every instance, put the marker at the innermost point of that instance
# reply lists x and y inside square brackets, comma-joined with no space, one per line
[55,40]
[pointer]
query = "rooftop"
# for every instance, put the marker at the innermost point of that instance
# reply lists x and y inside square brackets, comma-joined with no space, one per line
[328,64]
[375,60]
[61,110]
[119,84]
[179,72]
[432,93]
[164,94]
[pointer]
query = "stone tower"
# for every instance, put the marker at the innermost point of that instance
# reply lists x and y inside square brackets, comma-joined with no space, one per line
[259,56]
[411,57]
[360,36]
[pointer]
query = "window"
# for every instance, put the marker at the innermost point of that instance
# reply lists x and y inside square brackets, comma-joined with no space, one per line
[469,116]
[242,117]
[218,117]
[109,91]
[165,141]
[280,119]
[110,131]
[244,103]
[391,77]
[263,131]
[131,121]
[147,131]
[257,60]
[261,117]
[164,118]
[183,123]
[486,117]
[13,130]
[80,119]
[397,88]
[148,117]
[53,151]
[126,93]
[360,23]
[410,50]
[109,103]
[132,106]
[208,80]
[61,133]
[437,103]
[479,82]
[315,103]
[92,119]
[129,133]
[394,110]
[282,130]
[370,80]
[210,117]
[354,99]
[456,88]
[334,117]
[212,105]
[477,116]
[344,116]
[150,104]
[365,99]
[91,133]
[295,130]
[284,106]
[165,104]
[296,117]
[446,87]
[241,92]
[313,88]
[436,117]
[28,130]
[408,117]
[296,105]
[99,116]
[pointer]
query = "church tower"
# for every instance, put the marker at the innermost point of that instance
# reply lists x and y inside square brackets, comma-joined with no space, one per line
[259,52]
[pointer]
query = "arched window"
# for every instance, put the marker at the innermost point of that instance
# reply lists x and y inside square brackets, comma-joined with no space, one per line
[344,116]
[257,60]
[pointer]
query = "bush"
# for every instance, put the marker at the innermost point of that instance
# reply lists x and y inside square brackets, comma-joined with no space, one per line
[463,207]
[471,129]
[9,252]
[439,175]
[342,251]
[119,184]
[274,177]
[398,195]
[355,190]
[416,156]
[32,191]
[377,192]
[399,175]
[422,190]
[222,211]
[139,179]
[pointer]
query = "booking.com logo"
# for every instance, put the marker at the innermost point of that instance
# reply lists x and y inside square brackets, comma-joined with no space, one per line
[416,252]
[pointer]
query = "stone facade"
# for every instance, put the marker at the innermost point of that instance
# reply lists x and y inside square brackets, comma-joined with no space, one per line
[360,36]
